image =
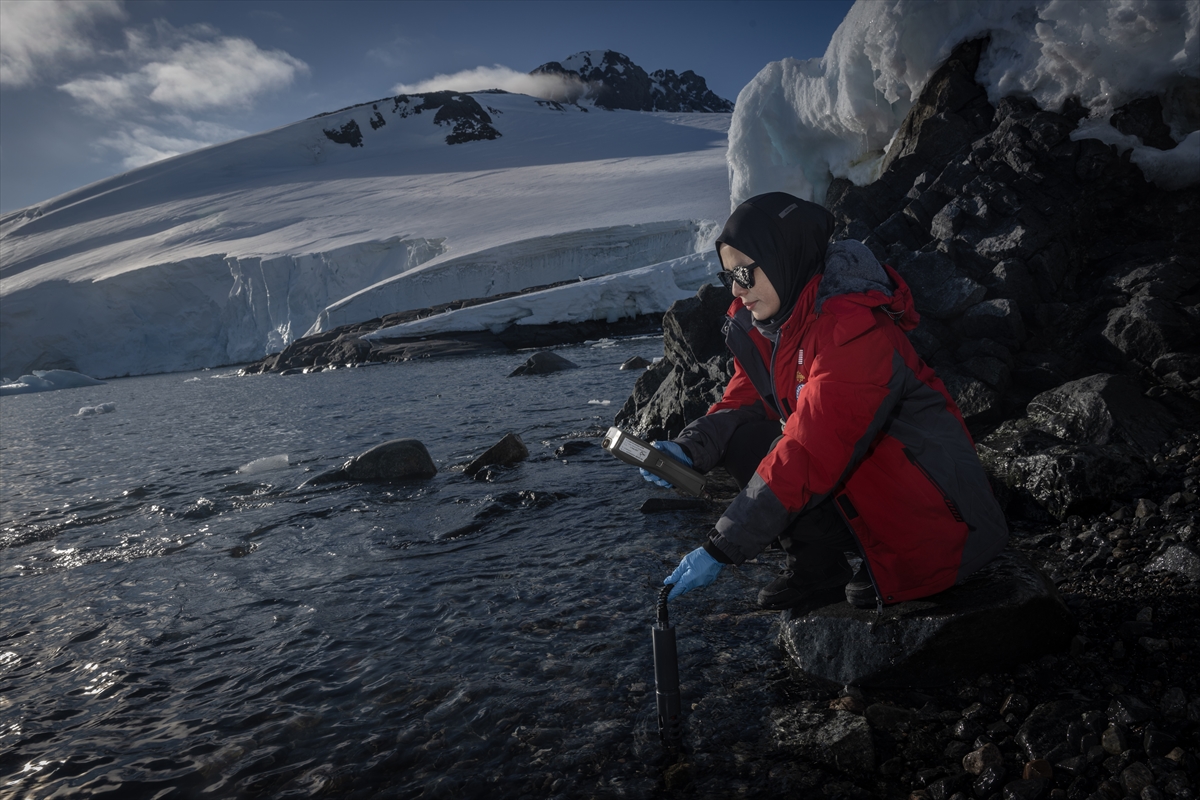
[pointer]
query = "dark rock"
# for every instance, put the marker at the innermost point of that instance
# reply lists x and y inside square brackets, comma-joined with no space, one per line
[1115,739]
[573,448]
[1046,727]
[988,781]
[837,738]
[985,757]
[396,460]
[1006,613]
[693,373]
[1136,777]
[1144,119]
[637,362]
[1149,328]
[349,134]
[1157,743]
[693,328]
[889,718]
[678,776]
[1015,704]
[616,82]
[509,450]
[938,288]
[1178,558]
[975,399]
[1034,471]
[1125,709]
[1173,703]
[1038,768]
[658,505]
[999,320]
[967,730]
[1102,409]
[543,363]
[1031,789]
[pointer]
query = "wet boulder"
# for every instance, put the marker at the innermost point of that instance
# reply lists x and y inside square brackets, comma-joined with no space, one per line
[397,460]
[1060,480]
[1102,409]
[1005,614]
[1082,444]
[693,373]
[1150,327]
[543,363]
[509,450]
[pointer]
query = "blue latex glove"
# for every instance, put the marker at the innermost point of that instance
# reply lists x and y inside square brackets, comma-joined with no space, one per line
[675,452]
[697,569]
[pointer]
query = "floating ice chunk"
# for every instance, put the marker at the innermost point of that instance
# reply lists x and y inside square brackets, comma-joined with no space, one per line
[46,380]
[268,464]
[91,411]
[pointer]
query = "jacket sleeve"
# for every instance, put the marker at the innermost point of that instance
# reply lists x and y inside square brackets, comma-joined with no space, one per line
[707,438]
[855,381]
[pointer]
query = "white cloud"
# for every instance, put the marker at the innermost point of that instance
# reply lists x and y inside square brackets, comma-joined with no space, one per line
[192,75]
[547,87]
[36,35]
[139,145]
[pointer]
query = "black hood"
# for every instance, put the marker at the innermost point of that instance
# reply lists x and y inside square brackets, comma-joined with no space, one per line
[786,236]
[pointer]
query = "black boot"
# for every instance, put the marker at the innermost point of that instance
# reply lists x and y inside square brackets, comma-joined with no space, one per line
[789,590]
[860,592]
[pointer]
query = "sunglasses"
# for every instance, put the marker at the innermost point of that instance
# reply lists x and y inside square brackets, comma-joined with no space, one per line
[743,276]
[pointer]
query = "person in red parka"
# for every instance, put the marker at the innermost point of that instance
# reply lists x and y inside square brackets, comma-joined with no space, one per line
[842,439]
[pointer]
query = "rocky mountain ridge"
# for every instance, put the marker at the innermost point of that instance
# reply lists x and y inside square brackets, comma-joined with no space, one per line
[613,81]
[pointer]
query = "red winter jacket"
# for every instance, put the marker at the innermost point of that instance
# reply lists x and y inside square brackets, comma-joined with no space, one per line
[865,421]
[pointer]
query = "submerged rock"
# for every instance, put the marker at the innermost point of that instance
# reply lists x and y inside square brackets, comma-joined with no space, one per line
[543,363]
[508,450]
[397,460]
[1006,613]
[637,362]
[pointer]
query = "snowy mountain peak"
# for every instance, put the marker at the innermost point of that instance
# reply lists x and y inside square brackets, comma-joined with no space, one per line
[611,80]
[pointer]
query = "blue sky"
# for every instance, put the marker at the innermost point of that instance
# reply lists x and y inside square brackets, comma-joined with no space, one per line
[91,88]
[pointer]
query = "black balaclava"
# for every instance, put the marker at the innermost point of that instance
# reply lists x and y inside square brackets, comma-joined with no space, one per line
[786,236]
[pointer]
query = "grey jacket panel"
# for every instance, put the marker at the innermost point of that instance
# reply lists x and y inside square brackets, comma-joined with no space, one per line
[753,520]
[934,442]
[707,438]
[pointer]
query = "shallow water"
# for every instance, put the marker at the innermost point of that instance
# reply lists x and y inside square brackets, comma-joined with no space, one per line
[172,628]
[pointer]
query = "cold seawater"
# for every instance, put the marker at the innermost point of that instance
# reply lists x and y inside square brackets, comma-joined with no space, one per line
[175,628]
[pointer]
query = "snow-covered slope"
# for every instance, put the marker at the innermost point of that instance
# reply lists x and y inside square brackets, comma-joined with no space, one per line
[225,254]
[799,124]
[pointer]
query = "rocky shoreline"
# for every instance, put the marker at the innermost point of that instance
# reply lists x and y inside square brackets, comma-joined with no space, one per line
[1060,296]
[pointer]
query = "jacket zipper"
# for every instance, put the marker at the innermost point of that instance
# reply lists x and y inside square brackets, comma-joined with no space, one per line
[866,564]
[946,498]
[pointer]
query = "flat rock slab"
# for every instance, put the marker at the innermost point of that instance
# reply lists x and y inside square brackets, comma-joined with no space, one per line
[1005,614]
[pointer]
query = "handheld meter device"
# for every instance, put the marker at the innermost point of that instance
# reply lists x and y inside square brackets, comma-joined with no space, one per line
[639,453]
